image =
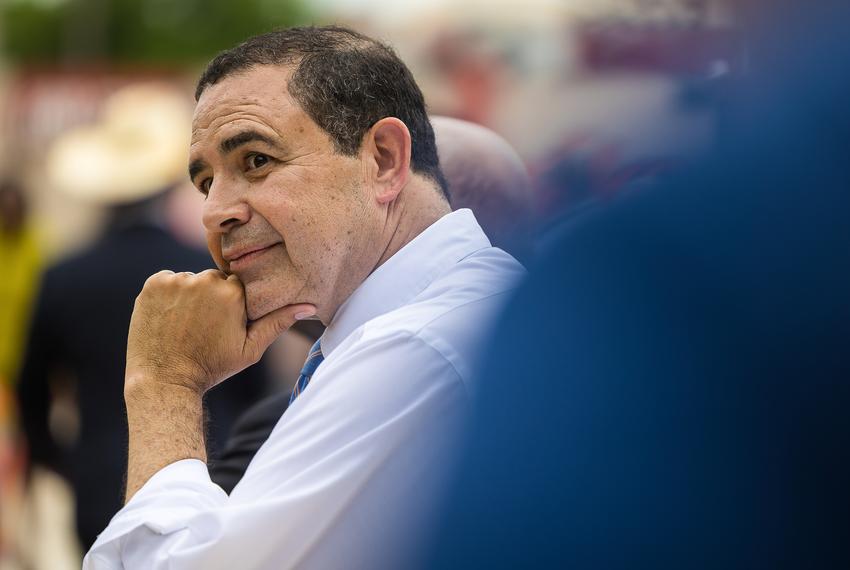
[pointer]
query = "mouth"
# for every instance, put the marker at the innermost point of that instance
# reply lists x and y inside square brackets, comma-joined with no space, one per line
[243,258]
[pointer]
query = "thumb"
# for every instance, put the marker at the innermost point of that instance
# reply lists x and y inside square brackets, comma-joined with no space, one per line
[262,332]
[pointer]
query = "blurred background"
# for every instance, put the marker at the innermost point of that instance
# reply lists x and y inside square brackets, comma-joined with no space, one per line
[598,97]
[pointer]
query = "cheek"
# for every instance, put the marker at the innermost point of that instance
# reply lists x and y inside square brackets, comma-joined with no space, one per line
[214,245]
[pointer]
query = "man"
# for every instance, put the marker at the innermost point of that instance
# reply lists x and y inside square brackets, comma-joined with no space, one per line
[324,197]
[484,174]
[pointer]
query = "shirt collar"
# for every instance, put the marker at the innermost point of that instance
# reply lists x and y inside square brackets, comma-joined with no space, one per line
[404,275]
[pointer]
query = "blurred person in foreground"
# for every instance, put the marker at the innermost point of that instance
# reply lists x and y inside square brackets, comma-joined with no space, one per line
[128,161]
[325,198]
[686,402]
[484,174]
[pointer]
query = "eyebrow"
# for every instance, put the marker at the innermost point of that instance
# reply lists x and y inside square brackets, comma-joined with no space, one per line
[195,167]
[230,144]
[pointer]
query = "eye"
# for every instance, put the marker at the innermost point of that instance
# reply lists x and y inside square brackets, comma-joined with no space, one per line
[256,160]
[204,186]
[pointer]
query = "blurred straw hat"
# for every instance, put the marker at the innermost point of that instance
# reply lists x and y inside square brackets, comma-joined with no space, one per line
[138,148]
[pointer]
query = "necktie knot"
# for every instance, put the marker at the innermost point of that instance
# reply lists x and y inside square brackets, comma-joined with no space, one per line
[314,359]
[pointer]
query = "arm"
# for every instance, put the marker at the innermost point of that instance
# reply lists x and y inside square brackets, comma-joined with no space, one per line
[188,333]
[356,439]
[165,425]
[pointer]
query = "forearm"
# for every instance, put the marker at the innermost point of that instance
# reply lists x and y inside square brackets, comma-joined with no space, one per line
[177,349]
[166,424]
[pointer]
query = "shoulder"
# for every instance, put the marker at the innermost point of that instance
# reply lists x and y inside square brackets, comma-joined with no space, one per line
[448,320]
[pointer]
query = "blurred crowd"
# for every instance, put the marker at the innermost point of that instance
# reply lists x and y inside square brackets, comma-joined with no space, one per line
[668,389]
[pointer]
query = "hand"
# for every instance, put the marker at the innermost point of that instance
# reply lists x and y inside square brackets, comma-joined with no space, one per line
[192,331]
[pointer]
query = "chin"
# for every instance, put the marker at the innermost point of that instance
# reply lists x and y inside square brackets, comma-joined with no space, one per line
[255,313]
[256,310]
[264,296]
[259,304]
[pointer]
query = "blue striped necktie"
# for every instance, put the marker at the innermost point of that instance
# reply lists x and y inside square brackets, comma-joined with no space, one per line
[313,360]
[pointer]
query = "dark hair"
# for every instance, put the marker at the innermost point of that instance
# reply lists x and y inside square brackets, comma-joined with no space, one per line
[13,205]
[345,82]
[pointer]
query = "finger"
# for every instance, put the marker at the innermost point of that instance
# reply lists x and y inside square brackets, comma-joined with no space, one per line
[161,274]
[233,282]
[158,278]
[209,273]
[263,331]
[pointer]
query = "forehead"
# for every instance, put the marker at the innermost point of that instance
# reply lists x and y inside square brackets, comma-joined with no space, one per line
[257,96]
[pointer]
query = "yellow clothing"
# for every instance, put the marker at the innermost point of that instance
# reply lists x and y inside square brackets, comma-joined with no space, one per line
[20,266]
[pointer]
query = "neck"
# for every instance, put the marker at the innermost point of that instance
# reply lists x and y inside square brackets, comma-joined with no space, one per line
[415,208]
[418,206]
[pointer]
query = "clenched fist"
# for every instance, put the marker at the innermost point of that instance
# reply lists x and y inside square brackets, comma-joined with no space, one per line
[192,331]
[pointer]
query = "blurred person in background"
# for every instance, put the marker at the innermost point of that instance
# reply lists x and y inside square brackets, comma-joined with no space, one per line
[484,174]
[686,402]
[127,162]
[325,197]
[487,176]
[20,258]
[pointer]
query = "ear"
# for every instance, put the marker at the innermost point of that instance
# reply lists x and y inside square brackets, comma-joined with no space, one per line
[387,149]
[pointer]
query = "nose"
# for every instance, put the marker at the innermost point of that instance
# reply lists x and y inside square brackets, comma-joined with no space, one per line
[225,207]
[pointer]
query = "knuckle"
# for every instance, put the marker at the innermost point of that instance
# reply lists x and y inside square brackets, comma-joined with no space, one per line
[158,278]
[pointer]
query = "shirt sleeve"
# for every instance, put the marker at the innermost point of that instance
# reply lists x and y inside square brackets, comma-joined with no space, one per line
[349,472]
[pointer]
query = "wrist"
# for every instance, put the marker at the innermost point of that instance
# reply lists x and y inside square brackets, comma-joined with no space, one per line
[165,423]
[143,387]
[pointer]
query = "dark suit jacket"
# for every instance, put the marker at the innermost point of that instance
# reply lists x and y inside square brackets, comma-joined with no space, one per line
[250,431]
[79,329]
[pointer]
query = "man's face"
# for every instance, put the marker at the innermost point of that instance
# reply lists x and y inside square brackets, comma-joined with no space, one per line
[284,212]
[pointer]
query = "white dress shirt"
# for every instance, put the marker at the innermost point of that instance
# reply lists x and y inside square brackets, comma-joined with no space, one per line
[350,472]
